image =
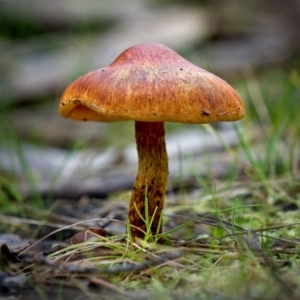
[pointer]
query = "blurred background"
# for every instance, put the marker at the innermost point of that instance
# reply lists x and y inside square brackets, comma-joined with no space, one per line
[45,45]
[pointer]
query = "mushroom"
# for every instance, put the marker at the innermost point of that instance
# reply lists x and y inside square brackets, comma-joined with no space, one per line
[150,84]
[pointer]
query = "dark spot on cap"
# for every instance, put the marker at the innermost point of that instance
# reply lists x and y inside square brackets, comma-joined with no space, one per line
[206,112]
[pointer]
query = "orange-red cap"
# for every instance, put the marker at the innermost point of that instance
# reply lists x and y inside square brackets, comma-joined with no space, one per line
[150,82]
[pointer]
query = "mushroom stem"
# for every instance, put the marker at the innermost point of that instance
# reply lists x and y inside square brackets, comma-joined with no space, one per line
[151,180]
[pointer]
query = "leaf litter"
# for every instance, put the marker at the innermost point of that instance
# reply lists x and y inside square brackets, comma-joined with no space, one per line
[98,262]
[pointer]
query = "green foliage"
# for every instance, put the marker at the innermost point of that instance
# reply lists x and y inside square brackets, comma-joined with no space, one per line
[20,26]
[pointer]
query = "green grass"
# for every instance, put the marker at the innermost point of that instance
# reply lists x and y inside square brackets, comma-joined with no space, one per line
[237,239]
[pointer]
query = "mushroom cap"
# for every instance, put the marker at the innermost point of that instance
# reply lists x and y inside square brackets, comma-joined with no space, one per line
[152,83]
